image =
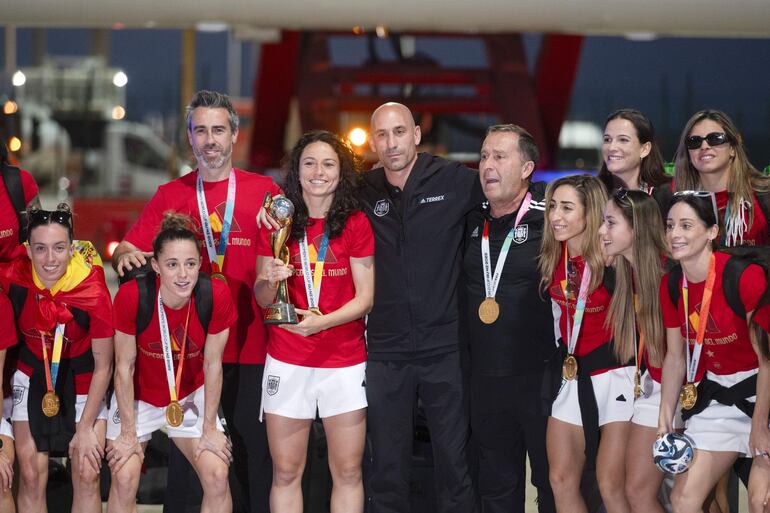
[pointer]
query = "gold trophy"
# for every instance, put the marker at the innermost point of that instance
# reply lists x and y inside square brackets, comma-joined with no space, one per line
[280,208]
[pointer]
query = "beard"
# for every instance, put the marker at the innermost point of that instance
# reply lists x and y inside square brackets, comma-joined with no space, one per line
[216,161]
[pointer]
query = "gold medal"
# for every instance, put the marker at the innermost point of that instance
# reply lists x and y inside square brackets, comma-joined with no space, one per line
[688,396]
[50,404]
[637,385]
[220,277]
[174,414]
[569,368]
[315,310]
[489,310]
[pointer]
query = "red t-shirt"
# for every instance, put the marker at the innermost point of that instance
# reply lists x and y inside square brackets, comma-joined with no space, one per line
[757,235]
[727,348]
[150,382]
[340,346]
[247,338]
[76,340]
[593,332]
[9,223]
[7,339]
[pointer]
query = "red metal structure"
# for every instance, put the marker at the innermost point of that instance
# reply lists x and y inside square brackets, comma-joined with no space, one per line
[301,65]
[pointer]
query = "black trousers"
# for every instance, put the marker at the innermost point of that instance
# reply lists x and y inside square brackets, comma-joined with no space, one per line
[241,398]
[392,390]
[506,425]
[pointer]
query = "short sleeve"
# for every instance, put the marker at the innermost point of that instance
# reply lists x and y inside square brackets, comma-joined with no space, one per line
[148,223]
[752,286]
[263,242]
[102,323]
[125,307]
[7,324]
[669,310]
[223,314]
[359,236]
[29,185]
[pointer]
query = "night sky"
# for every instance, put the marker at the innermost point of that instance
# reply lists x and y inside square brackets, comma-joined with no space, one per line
[668,78]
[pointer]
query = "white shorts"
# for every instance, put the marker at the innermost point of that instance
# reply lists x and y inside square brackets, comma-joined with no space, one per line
[720,427]
[296,392]
[647,406]
[5,422]
[614,393]
[150,418]
[20,384]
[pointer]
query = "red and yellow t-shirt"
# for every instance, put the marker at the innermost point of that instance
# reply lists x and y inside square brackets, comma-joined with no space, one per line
[343,345]
[150,382]
[727,348]
[246,343]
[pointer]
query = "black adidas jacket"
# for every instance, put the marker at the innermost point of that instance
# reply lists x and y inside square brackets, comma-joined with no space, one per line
[418,236]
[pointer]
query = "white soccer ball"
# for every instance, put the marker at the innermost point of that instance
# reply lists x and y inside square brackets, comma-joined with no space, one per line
[673,453]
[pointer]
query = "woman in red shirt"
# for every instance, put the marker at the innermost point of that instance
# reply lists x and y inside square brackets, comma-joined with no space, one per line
[318,364]
[592,390]
[711,156]
[169,372]
[710,351]
[7,450]
[636,247]
[65,364]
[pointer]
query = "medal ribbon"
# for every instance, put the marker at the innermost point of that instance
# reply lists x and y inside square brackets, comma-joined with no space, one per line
[168,358]
[313,285]
[491,281]
[580,306]
[216,255]
[696,318]
[52,371]
[640,349]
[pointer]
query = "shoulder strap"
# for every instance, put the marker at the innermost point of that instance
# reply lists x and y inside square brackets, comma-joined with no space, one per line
[146,307]
[18,295]
[81,317]
[731,278]
[15,190]
[674,279]
[204,300]
[608,279]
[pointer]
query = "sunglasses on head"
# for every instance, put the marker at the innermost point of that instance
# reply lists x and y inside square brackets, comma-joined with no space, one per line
[701,194]
[693,142]
[621,195]
[41,217]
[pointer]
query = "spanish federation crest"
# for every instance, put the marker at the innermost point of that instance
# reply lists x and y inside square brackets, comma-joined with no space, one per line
[381,208]
[272,384]
[521,233]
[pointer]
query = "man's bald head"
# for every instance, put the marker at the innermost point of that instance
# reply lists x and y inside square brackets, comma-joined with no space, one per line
[394,137]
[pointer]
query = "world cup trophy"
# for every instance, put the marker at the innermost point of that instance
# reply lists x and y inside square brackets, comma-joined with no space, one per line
[280,208]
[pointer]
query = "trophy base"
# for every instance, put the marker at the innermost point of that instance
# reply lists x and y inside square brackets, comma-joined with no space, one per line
[280,313]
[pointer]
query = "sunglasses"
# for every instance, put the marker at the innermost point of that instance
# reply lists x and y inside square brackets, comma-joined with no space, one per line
[622,195]
[42,217]
[700,194]
[694,142]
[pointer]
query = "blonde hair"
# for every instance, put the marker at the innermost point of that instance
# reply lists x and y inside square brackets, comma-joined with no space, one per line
[593,197]
[638,209]
[742,179]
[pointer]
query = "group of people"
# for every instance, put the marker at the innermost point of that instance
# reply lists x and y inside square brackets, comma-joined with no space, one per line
[560,322]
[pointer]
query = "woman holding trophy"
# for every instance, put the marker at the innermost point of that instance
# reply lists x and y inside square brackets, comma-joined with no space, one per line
[317,363]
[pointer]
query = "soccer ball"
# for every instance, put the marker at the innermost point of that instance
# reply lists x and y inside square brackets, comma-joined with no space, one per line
[673,453]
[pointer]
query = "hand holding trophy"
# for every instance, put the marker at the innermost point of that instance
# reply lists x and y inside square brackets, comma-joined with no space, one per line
[280,208]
